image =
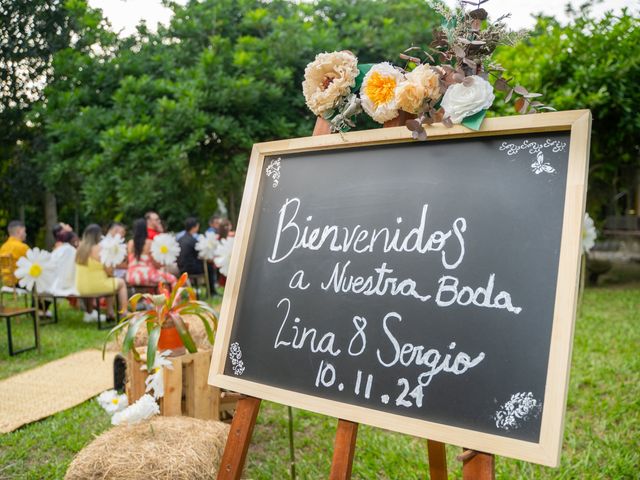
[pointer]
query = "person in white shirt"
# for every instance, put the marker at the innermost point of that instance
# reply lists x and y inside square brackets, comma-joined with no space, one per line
[64,256]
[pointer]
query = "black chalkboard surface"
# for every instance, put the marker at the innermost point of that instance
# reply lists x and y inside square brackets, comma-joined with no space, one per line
[415,279]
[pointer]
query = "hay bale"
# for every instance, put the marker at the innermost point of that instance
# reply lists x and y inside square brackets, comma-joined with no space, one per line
[164,447]
[196,329]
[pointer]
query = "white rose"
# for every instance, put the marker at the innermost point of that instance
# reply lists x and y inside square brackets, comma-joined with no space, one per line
[460,101]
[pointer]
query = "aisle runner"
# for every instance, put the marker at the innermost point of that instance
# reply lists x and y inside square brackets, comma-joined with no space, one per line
[53,387]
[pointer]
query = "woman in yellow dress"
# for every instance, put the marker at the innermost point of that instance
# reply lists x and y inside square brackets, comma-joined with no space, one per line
[91,276]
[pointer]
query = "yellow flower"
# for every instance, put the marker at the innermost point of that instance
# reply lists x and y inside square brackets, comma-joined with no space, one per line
[328,78]
[378,92]
[35,270]
[380,89]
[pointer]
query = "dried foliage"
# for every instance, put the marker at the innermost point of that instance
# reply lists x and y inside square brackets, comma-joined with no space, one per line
[463,46]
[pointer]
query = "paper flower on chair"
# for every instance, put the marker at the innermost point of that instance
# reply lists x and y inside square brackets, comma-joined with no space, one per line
[589,234]
[35,268]
[207,245]
[112,402]
[223,255]
[112,250]
[327,79]
[165,249]
[146,407]
[378,92]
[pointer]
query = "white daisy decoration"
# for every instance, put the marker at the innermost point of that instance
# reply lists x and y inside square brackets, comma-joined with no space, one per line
[165,249]
[155,381]
[222,256]
[589,234]
[113,402]
[378,92]
[36,268]
[207,245]
[112,250]
[146,407]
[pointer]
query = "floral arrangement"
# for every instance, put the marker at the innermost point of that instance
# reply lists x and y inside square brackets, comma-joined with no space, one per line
[452,83]
[165,248]
[146,406]
[112,250]
[164,310]
[35,269]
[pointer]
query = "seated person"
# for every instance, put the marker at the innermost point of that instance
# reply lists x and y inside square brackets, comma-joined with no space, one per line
[91,276]
[154,224]
[188,260]
[117,228]
[143,269]
[57,229]
[64,257]
[15,248]
[214,224]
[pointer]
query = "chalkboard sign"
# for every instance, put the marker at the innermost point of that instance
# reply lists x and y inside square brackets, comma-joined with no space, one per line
[424,287]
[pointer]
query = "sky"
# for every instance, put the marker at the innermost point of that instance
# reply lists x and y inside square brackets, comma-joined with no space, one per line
[124,15]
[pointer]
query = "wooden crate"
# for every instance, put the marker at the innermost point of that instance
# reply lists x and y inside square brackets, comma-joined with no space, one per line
[186,391]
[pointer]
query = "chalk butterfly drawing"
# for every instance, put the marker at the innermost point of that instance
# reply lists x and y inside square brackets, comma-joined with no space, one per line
[535,148]
[235,355]
[539,166]
[520,408]
[273,171]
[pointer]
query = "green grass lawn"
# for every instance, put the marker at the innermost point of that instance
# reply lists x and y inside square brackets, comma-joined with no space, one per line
[601,436]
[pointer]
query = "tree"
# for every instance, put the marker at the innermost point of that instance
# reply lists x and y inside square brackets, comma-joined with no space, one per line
[166,120]
[31,31]
[595,64]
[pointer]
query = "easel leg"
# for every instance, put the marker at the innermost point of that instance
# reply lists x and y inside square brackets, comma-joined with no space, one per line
[437,460]
[235,451]
[477,465]
[343,450]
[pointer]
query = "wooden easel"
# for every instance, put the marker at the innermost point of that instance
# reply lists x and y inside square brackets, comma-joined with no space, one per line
[475,465]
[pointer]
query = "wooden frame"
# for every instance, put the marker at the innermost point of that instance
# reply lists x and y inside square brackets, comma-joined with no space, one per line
[547,450]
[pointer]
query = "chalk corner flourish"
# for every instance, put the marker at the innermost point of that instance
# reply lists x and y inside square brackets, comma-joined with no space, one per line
[273,170]
[235,355]
[515,412]
[534,148]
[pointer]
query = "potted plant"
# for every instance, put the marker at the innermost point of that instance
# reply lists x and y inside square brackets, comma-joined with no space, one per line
[164,323]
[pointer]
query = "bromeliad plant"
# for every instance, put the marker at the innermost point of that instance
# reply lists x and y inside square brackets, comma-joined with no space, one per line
[166,311]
